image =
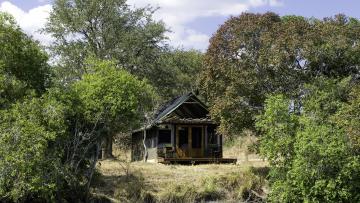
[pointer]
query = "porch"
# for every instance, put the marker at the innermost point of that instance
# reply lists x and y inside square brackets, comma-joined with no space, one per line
[188,160]
[189,141]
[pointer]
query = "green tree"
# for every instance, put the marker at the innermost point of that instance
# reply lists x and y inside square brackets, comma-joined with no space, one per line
[317,161]
[279,123]
[253,55]
[23,65]
[349,119]
[180,70]
[50,144]
[29,161]
[113,99]
[108,29]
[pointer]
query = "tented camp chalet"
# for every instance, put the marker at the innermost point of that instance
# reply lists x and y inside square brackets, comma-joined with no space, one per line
[181,131]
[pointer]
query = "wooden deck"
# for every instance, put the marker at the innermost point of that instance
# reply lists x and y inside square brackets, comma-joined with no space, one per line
[196,160]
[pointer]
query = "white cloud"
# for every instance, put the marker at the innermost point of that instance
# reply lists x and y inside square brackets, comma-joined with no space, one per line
[31,21]
[178,13]
[182,36]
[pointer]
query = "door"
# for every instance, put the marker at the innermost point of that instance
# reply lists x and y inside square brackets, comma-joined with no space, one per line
[189,141]
[197,140]
[182,141]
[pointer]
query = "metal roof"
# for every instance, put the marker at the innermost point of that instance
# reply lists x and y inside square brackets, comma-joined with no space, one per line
[172,105]
[187,121]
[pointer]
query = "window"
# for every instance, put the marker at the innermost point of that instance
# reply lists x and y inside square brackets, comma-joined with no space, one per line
[196,137]
[164,136]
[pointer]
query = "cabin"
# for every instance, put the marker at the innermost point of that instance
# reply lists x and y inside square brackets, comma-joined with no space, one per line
[181,132]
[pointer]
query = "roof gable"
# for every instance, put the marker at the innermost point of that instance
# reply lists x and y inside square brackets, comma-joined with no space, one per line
[185,106]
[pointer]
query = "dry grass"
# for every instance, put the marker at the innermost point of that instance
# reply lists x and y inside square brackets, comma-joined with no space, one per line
[138,180]
[239,149]
[123,181]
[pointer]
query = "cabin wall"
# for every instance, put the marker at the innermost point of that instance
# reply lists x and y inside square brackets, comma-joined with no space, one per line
[137,147]
[211,143]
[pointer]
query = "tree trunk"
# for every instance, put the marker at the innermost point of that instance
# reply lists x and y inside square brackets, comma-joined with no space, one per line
[145,148]
[108,147]
[92,170]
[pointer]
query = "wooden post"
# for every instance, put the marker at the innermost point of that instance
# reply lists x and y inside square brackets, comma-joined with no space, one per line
[202,141]
[173,135]
[177,141]
[190,141]
[206,138]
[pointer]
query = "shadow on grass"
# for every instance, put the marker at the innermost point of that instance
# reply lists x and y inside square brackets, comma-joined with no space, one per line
[262,172]
[124,188]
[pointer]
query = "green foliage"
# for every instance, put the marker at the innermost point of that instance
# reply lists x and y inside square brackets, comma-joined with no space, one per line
[130,37]
[349,119]
[253,55]
[29,165]
[112,97]
[280,126]
[23,65]
[107,30]
[50,145]
[317,161]
[11,89]
[180,72]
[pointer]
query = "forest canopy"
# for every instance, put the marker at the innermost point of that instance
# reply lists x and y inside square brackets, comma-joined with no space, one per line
[253,55]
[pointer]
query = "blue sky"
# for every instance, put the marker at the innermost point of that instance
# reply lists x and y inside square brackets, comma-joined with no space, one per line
[192,21]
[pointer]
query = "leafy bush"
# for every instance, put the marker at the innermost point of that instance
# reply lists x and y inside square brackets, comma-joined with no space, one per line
[29,162]
[309,147]
[50,144]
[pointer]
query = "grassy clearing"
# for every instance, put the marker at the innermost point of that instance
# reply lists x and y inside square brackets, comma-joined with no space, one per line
[151,182]
[119,180]
[239,148]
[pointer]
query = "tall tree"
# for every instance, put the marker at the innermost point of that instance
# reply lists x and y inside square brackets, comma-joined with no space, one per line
[108,29]
[255,54]
[180,69]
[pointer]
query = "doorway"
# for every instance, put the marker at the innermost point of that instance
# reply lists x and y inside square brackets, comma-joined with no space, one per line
[190,141]
[182,141]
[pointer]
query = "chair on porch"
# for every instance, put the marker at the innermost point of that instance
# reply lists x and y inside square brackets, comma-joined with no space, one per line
[182,151]
[166,151]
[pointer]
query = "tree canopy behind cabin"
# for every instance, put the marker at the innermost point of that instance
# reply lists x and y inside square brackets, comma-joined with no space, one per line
[129,36]
[107,30]
[253,55]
